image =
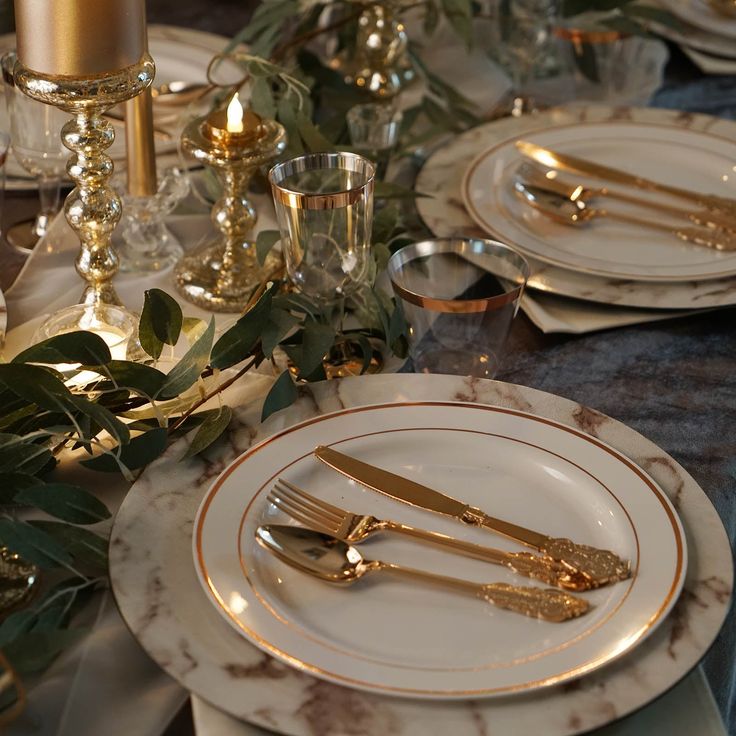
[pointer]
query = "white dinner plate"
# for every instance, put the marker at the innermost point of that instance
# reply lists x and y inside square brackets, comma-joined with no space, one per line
[697,160]
[402,638]
[180,54]
[444,214]
[702,15]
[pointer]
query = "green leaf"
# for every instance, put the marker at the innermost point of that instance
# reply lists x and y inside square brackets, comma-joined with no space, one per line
[36,650]
[24,458]
[389,190]
[238,342]
[311,134]
[212,427]
[140,451]
[82,347]
[35,384]
[83,545]
[265,241]
[15,625]
[261,98]
[280,323]
[33,544]
[317,339]
[460,15]
[193,328]
[397,337]
[160,323]
[287,117]
[186,372]
[10,483]
[142,379]
[283,393]
[104,418]
[66,502]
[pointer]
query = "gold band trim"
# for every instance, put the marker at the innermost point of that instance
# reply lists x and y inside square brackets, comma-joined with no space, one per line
[458,306]
[297,200]
[580,36]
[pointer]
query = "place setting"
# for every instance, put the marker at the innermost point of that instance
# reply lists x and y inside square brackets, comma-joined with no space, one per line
[550,186]
[335,401]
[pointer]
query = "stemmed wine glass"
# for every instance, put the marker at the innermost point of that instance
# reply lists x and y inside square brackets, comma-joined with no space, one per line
[523,42]
[36,144]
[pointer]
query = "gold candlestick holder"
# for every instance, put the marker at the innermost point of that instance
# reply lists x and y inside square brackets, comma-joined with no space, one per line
[93,208]
[222,274]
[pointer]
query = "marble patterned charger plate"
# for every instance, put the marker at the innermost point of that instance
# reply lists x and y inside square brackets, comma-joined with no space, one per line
[402,638]
[445,215]
[605,246]
[155,584]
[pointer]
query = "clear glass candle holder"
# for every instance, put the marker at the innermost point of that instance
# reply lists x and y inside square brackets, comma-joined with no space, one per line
[459,297]
[324,207]
[374,132]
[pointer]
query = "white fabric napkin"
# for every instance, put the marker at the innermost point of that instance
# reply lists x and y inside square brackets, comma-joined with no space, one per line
[552,313]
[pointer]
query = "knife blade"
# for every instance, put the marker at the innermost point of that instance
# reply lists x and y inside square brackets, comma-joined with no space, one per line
[599,566]
[556,160]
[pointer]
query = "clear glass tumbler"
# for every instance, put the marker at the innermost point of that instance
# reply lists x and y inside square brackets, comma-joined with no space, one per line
[324,206]
[459,297]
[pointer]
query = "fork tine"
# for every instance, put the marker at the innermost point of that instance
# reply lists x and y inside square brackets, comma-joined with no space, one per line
[307,510]
[328,507]
[304,499]
[299,515]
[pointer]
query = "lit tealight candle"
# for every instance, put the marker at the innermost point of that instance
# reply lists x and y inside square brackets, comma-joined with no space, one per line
[233,125]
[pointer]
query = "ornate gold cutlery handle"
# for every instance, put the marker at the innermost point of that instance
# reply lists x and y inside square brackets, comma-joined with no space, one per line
[545,603]
[544,569]
[599,566]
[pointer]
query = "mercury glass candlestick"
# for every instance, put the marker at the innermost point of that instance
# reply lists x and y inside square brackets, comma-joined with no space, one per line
[222,274]
[84,57]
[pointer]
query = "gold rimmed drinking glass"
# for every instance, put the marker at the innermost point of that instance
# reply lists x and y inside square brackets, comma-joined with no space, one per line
[324,207]
[459,297]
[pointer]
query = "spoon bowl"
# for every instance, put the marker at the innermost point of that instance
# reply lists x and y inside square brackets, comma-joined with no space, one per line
[315,553]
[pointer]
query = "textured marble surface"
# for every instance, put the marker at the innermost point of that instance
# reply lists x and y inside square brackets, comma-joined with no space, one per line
[161,601]
[445,215]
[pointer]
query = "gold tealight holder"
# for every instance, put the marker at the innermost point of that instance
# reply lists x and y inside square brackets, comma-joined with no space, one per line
[221,275]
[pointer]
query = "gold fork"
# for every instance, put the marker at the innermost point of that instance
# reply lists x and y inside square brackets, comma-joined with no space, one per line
[355,528]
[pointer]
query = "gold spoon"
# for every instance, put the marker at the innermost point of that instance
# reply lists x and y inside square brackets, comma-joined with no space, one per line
[568,212]
[330,559]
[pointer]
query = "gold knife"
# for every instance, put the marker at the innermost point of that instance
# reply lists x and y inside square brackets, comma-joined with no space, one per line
[599,566]
[577,165]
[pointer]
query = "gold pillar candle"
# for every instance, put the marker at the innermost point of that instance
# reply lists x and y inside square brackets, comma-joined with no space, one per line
[80,38]
[139,145]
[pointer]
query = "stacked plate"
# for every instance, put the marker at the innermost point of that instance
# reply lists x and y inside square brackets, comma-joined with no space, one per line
[474,186]
[706,26]
[377,652]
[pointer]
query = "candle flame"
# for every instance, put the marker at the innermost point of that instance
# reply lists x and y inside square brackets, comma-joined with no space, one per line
[235,115]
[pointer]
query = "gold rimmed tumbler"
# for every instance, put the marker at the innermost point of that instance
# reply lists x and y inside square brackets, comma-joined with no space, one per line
[324,207]
[459,297]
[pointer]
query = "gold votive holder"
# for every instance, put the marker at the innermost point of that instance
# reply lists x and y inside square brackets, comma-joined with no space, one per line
[221,275]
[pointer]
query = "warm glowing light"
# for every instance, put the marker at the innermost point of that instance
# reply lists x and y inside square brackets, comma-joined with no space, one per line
[235,116]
